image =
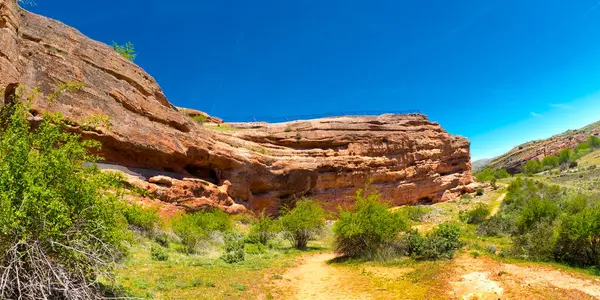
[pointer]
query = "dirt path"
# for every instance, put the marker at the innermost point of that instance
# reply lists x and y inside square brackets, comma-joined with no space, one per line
[485,278]
[496,208]
[315,279]
[468,278]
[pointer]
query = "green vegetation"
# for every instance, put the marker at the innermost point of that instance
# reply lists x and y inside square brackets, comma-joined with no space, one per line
[142,219]
[303,223]
[551,162]
[548,223]
[158,253]
[60,234]
[196,227]
[234,248]
[439,244]
[531,167]
[200,119]
[127,50]
[264,230]
[489,174]
[477,215]
[369,229]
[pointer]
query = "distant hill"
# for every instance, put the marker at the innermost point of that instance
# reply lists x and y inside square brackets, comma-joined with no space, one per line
[479,164]
[513,160]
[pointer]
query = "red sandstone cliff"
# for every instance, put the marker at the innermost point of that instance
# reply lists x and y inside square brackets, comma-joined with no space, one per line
[256,166]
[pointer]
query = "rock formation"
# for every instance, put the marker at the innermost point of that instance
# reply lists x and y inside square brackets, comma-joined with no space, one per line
[256,165]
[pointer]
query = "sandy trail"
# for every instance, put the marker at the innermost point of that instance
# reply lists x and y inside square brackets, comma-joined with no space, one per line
[470,278]
[496,208]
[315,279]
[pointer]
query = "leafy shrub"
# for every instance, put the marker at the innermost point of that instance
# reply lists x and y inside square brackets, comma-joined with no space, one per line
[158,253]
[488,174]
[162,239]
[255,248]
[477,215]
[59,230]
[200,119]
[565,156]
[303,223]
[498,225]
[594,142]
[531,167]
[550,162]
[549,223]
[234,248]
[143,219]
[193,228]
[537,243]
[479,192]
[264,230]
[369,229]
[439,244]
[127,50]
[579,238]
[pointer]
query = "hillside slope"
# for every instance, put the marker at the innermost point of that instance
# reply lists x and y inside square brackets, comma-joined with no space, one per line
[513,160]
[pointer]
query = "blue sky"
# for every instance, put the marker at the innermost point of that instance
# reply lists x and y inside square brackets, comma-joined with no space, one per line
[498,72]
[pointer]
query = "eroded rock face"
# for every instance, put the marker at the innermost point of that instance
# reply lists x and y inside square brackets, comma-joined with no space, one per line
[255,165]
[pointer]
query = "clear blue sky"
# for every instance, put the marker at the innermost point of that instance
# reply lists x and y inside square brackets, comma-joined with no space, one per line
[498,72]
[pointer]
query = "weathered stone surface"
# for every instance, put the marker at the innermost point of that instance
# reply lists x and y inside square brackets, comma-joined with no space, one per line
[252,165]
[200,116]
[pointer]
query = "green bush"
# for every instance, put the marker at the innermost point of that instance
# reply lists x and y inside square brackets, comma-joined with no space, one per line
[127,50]
[264,230]
[303,223]
[257,248]
[488,174]
[565,156]
[549,223]
[142,219]
[60,231]
[537,243]
[193,228]
[162,239]
[498,225]
[439,244]
[479,192]
[579,238]
[550,162]
[158,253]
[476,215]
[234,248]
[369,229]
[531,167]
[594,142]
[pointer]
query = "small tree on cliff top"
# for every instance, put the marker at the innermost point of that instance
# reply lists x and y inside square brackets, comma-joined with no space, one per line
[127,50]
[59,232]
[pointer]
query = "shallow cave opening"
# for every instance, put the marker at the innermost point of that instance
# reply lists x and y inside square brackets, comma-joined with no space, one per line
[424,201]
[203,173]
